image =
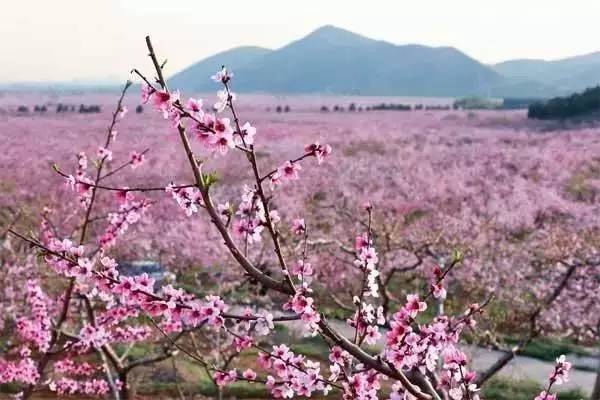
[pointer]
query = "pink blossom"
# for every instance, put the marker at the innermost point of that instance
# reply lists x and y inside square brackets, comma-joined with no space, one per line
[246,135]
[222,76]
[164,100]
[302,269]
[414,305]
[225,378]
[249,374]
[122,112]
[137,159]
[318,150]
[147,92]
[289,171]
[545,396]
[225,97]
[194,106]
[298,226]
[104,154]
[561,371]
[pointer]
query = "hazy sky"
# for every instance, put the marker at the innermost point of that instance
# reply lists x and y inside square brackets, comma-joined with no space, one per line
[93,39]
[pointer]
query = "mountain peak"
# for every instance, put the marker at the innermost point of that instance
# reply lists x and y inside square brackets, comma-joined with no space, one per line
[334,35]
[329,30]
[334,60]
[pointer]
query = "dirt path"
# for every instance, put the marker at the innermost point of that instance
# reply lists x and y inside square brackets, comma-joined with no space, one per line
[528,368]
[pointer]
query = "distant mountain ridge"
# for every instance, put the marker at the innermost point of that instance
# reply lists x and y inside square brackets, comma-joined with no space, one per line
[566,75]
[337,61]
[332,60]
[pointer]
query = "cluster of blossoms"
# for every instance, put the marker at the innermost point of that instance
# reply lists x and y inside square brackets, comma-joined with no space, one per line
[174,306]
[437,283]
[70,367]
[80,183]
[188,198]
[455,377]
[287,172]
[303,304]
[290,170]
[320,151]
[68,386]
[251,216]
[421,348]
[165,102]
[23,370]
[295,375]
[79,378]
[366,261]
[34,332]
[92,336]
[262,325]
[215,133]
[59,261]
[36,328]
[367,315]
[357,381]
[130,211]
[559,375]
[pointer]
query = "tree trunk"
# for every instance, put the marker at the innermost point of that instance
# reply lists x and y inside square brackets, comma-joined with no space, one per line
[124,392]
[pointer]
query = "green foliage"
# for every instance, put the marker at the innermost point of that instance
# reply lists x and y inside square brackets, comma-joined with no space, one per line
[209,179]
[477,103]
[11,388]
[575,105]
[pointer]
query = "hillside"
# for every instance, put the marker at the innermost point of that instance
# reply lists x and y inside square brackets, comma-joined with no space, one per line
[195,77]
[566,75]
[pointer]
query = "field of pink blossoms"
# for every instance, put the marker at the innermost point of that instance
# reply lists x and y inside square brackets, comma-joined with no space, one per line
[520,199]
[479,167]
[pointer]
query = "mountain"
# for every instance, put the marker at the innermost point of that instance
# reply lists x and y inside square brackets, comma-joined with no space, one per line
[334,60]
[566,75]
[196,77]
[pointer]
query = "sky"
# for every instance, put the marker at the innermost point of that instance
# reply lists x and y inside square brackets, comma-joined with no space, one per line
[78,40]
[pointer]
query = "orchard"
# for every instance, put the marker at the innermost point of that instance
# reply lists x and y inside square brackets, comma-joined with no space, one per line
[393,263]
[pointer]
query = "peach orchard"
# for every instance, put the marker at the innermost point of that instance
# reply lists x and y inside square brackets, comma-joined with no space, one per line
[410,280]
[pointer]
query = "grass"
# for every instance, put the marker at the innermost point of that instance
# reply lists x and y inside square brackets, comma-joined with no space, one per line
[205,387]
[548,349]
[507,389]
[313,347]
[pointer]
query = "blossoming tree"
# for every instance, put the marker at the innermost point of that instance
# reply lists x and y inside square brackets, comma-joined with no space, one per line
[98,307]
